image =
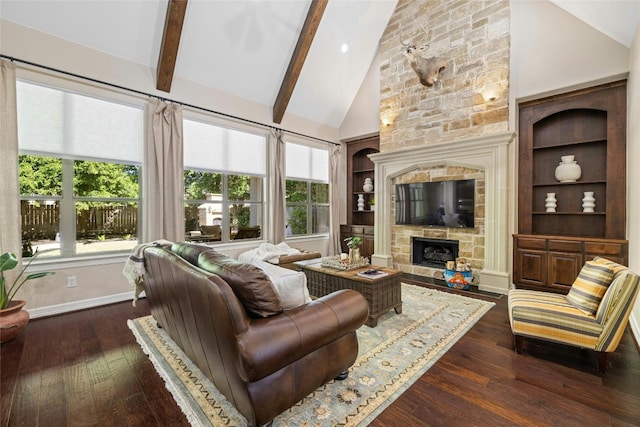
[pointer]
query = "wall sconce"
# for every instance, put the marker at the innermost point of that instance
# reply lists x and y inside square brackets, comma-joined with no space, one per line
[491,85]
[388,116]
[491,92]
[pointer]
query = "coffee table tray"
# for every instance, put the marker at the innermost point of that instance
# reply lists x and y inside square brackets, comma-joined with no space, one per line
[335,263]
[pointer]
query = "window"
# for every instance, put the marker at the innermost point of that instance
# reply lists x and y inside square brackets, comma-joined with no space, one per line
[79,168]
[224,180]
[307,190]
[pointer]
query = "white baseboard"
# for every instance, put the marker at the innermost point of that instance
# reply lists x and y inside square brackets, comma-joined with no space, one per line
[79,305]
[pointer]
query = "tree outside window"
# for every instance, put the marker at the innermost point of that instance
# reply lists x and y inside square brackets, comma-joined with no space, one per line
[307,207]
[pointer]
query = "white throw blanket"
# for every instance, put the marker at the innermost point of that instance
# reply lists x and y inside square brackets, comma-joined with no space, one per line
[134,266]
[268,252]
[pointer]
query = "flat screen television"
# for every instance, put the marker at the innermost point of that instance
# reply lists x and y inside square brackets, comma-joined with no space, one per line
[436,204]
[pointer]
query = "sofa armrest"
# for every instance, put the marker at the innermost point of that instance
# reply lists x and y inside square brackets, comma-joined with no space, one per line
[275,342]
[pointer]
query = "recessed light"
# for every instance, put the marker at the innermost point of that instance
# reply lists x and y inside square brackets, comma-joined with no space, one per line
[344,48]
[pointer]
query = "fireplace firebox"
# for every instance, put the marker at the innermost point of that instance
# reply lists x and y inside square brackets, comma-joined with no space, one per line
[433,252]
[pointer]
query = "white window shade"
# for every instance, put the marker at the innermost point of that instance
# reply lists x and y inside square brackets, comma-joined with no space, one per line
[213,148]
[75,126]
[307,162]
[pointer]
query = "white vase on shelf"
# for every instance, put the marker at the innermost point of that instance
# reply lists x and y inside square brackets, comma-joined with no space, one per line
[551,202]
[368,185]
[360,202]
[568,170]
[588,202]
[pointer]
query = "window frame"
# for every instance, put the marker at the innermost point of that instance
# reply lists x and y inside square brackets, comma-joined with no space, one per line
[309,204]
[226,202]
[67,199]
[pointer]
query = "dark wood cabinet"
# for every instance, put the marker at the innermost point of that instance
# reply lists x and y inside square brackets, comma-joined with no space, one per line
[552,246]
[552,263]
[360,167]
[365,232]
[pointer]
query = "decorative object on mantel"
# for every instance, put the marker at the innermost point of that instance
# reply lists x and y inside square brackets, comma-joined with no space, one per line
[368,185]
[551,202]
[588,202]
[360,202]
[568,170]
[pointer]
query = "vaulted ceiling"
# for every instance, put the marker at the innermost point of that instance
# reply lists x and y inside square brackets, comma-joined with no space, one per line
[257,49]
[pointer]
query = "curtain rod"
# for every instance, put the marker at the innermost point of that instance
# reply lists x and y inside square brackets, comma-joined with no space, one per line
[161,98]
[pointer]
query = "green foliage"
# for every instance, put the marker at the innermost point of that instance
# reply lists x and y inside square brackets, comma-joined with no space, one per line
[40,176]
[353,242]
[296,191]
[197,184]
[43,176]
[8,261]
[298,221]
[99,179]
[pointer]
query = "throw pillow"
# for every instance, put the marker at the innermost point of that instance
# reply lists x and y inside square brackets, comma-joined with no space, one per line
[250,284]
[189,251]
[590,286]
[614,266]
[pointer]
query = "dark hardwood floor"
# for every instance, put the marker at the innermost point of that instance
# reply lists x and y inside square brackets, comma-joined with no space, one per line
[86,369]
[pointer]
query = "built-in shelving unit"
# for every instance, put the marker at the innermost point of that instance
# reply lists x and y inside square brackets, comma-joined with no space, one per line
[589,124]
[359,167]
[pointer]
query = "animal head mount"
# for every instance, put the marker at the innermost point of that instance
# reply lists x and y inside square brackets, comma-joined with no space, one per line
[427,69]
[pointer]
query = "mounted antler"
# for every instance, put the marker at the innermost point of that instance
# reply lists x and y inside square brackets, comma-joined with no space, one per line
[427,69]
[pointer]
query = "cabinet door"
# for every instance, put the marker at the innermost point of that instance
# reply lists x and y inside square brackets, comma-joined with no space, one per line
[531,267]
[367,242]
[564,267]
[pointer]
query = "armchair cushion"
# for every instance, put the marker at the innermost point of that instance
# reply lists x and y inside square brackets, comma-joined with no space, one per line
[590,286]
[250,284]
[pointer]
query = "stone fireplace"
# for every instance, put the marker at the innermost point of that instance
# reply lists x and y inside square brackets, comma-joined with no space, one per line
[433,252]
[486,154]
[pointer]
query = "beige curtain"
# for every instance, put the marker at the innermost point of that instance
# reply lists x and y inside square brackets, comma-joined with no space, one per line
[334,201]
[10,237]
[162,210]
[278,187]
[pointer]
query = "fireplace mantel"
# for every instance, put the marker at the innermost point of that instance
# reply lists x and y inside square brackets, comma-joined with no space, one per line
[488,153]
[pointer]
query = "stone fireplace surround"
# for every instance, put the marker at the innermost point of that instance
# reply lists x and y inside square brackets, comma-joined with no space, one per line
[488,153]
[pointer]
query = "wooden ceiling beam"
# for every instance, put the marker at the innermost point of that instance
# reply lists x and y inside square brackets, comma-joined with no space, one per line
[311,23]
[176,10]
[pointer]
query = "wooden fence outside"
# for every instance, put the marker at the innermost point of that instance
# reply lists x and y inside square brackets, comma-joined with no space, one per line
[43,221]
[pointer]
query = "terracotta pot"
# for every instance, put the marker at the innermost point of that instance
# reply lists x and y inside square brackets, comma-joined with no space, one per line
[12,320]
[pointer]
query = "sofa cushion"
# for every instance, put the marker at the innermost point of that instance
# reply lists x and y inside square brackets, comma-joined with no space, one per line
[189,251]
[590,286]
[290,285]
[250,284]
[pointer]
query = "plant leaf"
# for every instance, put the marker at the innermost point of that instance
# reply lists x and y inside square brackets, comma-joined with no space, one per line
[8,261]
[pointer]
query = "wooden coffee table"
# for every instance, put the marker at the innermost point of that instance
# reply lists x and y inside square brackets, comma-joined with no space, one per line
[382,294]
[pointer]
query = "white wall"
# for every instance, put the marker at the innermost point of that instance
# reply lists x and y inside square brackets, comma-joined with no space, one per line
[363,118]
[633,173]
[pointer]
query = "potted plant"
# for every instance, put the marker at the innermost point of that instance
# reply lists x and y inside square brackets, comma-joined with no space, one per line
[354,243]
[12,317]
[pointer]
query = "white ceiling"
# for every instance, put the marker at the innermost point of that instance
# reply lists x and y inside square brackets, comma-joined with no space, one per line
[243,47]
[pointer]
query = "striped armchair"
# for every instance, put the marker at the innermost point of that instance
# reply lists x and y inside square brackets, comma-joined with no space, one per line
[593,315]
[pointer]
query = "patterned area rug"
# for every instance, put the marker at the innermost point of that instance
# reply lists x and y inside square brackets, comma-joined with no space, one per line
[392,356]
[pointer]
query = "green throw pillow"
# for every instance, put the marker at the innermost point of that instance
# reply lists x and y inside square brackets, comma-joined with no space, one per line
[590,286]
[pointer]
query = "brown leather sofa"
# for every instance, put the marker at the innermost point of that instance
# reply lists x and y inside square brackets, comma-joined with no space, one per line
[226,316]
